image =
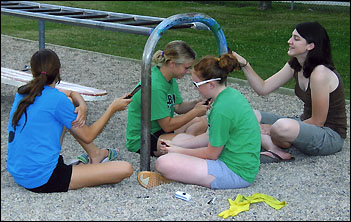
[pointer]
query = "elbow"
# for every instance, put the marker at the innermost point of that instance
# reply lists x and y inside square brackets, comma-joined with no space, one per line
[87,140]
[320,124]
[212,156]
[84,134]
[316,122]
[167,128]
[261,93]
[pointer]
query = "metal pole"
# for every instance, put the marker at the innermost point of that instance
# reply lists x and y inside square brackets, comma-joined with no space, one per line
[146,72]
[41,26]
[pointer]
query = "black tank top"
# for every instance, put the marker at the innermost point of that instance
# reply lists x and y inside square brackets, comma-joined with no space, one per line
[336,118]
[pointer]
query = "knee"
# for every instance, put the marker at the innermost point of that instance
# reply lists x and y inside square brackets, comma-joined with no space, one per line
[202,124]
[163,164]
[126,168]
[280,128]
[204,121]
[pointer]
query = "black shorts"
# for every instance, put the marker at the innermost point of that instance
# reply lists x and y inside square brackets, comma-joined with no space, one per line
[154,138]
[59,180]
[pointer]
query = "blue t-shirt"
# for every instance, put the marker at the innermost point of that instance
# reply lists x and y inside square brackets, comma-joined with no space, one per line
[34,148]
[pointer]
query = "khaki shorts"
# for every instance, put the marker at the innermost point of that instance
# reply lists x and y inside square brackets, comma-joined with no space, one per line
[312,140]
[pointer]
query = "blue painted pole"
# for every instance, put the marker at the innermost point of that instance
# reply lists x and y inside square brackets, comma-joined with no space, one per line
[149,48]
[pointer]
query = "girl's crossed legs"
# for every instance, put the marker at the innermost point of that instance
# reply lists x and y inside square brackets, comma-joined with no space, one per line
[187,169]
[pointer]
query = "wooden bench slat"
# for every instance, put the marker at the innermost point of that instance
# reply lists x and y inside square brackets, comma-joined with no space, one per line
[19,78]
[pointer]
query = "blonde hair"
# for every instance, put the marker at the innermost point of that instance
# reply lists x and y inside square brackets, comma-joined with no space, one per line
[177,51]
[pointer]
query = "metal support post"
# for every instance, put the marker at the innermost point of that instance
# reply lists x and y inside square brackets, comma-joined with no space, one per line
[146,72]
[41,26]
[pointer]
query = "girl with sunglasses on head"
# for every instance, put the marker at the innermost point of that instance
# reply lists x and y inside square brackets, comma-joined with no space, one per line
[39,117]
[171,64]
[321,129]
[227,155]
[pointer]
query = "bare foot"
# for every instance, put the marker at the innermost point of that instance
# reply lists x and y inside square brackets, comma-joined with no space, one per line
[98,156]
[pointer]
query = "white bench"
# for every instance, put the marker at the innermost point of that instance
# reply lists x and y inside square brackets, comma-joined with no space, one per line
[19,78]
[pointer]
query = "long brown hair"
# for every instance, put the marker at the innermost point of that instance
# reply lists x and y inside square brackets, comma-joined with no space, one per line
[210,67]
[45,66]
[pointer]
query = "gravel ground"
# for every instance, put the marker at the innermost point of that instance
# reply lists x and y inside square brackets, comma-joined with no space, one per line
[314,188]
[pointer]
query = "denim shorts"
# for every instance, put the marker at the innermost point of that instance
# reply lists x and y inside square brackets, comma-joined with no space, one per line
[225,177]
[59,180]
[312,140]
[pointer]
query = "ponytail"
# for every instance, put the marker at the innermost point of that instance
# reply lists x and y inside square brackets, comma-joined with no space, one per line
[45,67]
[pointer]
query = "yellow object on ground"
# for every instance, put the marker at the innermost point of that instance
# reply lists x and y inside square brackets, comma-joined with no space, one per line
[242,203]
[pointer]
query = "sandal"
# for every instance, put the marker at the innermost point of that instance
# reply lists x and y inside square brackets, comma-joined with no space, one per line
[150,179]
[84,158]
[264,158]
[112,155]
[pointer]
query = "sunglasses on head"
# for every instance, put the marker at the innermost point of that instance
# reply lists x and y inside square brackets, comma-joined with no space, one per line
[198,84]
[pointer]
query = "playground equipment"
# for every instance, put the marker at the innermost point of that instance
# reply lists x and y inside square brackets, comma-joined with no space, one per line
[135,24]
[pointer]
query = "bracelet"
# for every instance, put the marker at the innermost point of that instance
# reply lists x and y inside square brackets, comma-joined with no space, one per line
[245,64]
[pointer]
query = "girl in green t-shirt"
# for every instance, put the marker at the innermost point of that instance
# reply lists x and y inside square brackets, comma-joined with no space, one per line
[173,63]
[227,156]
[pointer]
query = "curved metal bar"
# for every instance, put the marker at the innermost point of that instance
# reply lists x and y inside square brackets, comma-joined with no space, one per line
[146,71]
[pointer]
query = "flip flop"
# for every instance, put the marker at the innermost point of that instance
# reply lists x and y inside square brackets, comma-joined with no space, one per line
[84,158]
[150,179]
[267,159]
[112,155]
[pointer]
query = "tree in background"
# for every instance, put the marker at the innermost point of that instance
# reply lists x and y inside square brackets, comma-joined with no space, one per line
[264,5]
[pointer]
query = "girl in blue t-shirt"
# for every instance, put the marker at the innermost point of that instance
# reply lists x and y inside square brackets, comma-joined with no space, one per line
[38,119]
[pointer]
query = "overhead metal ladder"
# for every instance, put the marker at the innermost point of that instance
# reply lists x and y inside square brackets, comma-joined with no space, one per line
[136,24]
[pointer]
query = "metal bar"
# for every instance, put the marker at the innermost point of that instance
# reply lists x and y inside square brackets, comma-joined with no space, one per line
[41,27]
[43,10]
[146,72]
[66,13]
[139,23]
[80,22]
[116,14]
[8,3]
[88,16]
[17,7]
[91,23]
[111,19]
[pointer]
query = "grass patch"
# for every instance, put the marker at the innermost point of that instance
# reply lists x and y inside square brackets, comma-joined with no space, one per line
[260,36]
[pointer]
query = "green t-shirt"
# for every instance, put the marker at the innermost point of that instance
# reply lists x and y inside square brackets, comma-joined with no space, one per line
[164,95]
[233,124]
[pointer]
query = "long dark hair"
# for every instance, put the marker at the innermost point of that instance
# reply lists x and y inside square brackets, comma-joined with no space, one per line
[314,32]
[45,66]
